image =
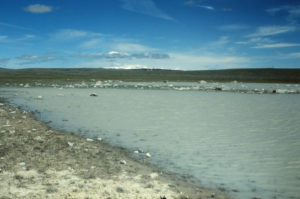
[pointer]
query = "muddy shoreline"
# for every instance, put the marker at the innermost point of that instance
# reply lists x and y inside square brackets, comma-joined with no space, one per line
[39,162]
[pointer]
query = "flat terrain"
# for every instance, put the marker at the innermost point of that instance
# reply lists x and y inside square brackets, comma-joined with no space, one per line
[243,75]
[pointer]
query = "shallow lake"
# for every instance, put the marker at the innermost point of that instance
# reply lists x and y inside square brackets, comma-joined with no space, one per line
[248,144]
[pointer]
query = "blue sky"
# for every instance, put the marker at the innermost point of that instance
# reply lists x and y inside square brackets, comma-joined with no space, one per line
[168,34]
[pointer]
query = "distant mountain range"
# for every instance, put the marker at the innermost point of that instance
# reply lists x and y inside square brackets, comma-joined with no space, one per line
[63,74]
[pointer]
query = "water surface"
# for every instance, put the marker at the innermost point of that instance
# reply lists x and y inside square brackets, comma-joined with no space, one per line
[248,144]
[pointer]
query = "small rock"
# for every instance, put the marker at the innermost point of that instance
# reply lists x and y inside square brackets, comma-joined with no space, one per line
[1,104]
[93,95]
[148,155]
[0,170]
[22,164]
[212,195]
[153,175]
[12,131]
[136,152]
[13,112]
[99,139]
[163,197]
[70,144]
[39,97]
[33,129]
[123,162]
[89,140]
[24,117]
[38,138]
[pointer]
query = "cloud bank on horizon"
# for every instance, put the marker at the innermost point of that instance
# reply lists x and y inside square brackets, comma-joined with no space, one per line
[129,34]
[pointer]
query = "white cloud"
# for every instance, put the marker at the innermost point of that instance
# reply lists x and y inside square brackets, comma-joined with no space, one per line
[35,59]
[210,59]
[13,26]
[29,36]
[221,42]
[93,43]
[233,27]
[6,39]
[69,34]
[193,2]
[206,7]
[3,61]
[272,30]
[38,8]
[146,7]
[131,47]
[3,37]
[292,11]
[127,66]
[122,55]
[293,55]
[242,42]
[277,45]
[198,3]
[256,40]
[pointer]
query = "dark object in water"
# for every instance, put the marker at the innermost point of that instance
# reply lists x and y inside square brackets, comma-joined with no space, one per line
[163,197]
[93,95]
[218,88]
[274,91]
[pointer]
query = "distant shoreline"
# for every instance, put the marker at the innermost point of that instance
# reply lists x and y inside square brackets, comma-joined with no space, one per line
[263,75]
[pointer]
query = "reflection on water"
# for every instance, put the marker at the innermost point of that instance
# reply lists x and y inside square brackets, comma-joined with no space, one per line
[248,144]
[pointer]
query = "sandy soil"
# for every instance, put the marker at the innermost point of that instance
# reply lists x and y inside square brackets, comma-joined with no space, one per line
[39,162]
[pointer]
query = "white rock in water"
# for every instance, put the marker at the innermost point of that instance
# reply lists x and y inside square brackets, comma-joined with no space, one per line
[136,152]
[89,140]
[1,104]
[39,97]
[99,139]
[123,162]
[148,155]
[70,144]
[22,164]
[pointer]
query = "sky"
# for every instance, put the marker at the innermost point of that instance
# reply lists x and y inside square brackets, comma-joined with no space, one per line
[165,34]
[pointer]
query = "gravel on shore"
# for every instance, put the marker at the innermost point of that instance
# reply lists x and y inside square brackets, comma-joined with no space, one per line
[39,162]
